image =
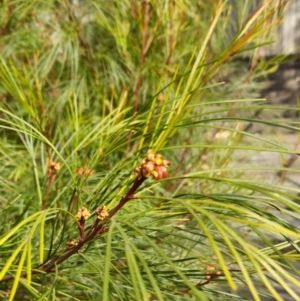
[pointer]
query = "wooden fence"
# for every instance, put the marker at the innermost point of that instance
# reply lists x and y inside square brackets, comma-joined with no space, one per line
[288,34]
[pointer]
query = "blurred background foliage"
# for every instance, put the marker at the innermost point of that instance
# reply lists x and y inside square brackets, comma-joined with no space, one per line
[86,89]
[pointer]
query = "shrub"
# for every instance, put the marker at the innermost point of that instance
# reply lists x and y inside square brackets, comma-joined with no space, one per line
[92,94]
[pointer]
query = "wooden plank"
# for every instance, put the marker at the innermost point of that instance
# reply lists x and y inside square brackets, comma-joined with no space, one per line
[288,34]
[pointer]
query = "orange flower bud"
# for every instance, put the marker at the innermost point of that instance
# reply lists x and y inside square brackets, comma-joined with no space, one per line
[159,172]
[150,156]
[159,159]
[166,163]
[155,174]
[164,171]
[149,166]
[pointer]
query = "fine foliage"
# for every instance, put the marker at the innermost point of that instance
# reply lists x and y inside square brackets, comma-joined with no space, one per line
[124,147]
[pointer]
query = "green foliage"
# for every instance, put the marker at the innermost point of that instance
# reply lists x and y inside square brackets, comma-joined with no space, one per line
[87,88]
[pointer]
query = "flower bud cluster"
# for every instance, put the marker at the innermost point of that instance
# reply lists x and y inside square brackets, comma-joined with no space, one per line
[212,273]
[102,212]
[103,230]
[154,165]
[84,171]
[72,243]
[53,167]
[83,214]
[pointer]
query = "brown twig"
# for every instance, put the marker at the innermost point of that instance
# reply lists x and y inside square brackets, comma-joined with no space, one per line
[95,230]
[129,196]
[154,165]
